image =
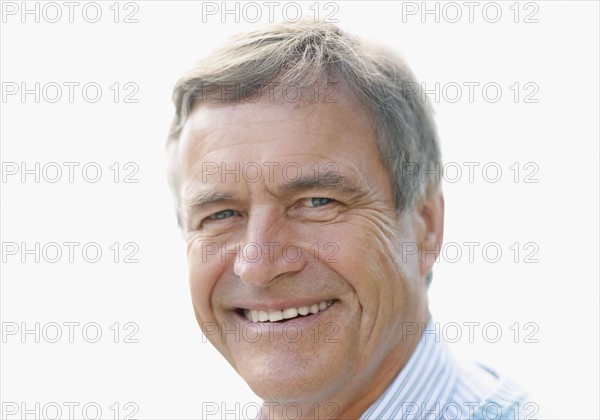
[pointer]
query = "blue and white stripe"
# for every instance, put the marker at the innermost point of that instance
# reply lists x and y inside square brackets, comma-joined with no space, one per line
[434,385]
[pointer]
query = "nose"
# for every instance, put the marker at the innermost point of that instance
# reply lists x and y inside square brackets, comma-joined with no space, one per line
[268,251]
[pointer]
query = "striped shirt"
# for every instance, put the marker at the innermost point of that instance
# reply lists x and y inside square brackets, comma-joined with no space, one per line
[435,385]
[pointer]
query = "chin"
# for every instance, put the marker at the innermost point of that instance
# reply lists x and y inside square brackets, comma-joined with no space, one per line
[283,380]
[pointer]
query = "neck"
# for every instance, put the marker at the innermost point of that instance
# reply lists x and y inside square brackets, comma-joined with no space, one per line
[393,364]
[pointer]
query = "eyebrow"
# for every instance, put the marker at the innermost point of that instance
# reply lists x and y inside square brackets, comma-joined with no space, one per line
[327,180]
[202,200]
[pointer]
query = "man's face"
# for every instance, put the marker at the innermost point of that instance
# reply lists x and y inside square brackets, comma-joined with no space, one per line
[288,209]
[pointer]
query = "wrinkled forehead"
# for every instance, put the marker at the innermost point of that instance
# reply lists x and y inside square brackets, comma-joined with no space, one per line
[211,127]
[279,139]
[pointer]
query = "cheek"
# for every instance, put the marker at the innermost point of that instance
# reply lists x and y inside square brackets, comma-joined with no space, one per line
[362,258]
[376,263]
[204,270]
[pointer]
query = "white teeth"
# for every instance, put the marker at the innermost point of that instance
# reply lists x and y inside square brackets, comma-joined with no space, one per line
[290,313]
[275,316]
[304,310]
[254,315]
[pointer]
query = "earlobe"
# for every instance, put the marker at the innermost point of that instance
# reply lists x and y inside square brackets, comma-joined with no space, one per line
[431,214]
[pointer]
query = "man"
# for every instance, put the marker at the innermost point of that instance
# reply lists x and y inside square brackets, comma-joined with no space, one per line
[306,170]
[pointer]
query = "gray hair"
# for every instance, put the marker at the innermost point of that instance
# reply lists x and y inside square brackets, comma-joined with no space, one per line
[304,53]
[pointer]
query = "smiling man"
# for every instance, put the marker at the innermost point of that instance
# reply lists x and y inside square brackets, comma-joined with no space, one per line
[306,169]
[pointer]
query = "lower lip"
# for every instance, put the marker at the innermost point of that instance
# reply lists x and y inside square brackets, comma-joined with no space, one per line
[300,321]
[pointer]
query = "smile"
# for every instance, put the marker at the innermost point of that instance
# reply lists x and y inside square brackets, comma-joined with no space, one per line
[255,315]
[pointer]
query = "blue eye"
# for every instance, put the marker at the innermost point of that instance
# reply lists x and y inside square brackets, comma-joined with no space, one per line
[320,201]
[224,214]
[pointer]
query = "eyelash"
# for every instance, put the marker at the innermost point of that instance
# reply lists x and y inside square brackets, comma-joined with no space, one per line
[215,216]
[331,200]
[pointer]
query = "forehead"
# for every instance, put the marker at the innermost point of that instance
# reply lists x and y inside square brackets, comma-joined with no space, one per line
[303,134]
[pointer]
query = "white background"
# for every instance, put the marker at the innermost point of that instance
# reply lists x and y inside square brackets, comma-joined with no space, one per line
[170,372]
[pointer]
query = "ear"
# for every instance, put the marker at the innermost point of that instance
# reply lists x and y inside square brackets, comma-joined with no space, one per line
[431,234]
